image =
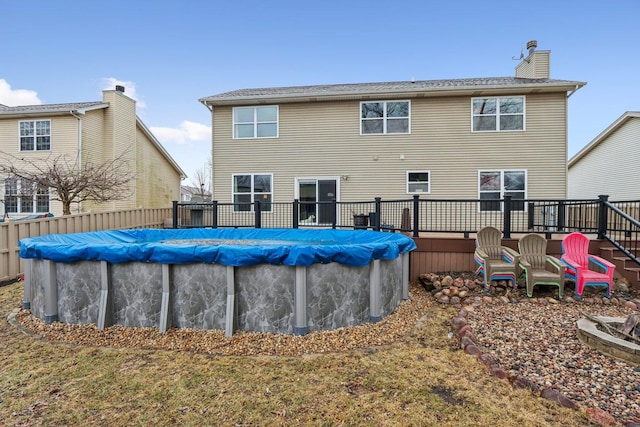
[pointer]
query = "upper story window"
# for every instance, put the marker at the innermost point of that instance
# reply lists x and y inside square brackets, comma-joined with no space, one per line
[249,188]
[384,117]
[23,196]
[493,185]
[255,122]
[418,182]
[497,114]
[35,135]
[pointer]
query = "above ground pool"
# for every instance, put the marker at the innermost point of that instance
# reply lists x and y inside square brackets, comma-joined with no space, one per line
[268,280]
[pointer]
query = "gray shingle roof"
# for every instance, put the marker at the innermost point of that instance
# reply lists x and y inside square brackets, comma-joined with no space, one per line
[49,108]
[385,87]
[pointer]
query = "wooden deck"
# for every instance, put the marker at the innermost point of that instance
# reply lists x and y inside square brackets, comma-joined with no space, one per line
[439,252]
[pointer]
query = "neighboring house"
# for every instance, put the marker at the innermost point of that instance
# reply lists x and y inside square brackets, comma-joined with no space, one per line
[89,131]
[608,165]
[188,192]
[462,138]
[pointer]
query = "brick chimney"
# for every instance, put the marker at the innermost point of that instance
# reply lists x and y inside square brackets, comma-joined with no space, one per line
[536,65]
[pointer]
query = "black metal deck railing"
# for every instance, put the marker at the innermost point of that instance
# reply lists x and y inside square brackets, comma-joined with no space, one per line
[417,215]
[618,222]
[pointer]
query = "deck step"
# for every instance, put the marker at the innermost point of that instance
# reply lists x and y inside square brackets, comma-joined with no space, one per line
[612,249]
[615,255]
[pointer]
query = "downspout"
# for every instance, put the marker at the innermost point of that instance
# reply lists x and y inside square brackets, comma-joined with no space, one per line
[79,155]
[210,108]
[211,178]
[573,91]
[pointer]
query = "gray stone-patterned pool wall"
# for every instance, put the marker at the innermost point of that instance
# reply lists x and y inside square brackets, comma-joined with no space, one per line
[264,297]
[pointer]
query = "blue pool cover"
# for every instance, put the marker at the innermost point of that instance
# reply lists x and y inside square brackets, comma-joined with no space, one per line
[230,246]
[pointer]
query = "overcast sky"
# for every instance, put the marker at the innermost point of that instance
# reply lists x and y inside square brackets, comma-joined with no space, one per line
[169,54]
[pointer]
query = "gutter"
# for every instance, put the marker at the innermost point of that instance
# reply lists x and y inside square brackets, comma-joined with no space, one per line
[403,92]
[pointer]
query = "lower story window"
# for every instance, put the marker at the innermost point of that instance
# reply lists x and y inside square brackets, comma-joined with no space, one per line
[251,188]
[418,182]
[23,196]
[494,185]
[42,199]
[11,195]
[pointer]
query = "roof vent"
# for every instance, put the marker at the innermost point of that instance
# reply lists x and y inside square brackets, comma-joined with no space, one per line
[119,88]
[532,45]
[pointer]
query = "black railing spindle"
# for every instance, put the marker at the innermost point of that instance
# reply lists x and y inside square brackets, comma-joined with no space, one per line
[258,214]
[296,213]
[506,230]
[602,216]
[416,213]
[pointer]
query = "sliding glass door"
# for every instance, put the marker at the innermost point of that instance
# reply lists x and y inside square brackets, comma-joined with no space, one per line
[315,195]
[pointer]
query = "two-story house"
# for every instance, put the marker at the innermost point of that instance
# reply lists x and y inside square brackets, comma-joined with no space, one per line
[476,138]
[94,132]
[608,164]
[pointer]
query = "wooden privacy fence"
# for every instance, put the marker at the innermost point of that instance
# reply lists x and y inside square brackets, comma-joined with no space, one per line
[12,231]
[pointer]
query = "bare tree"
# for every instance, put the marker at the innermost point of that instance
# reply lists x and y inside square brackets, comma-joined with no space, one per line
[70,182]
[201,180]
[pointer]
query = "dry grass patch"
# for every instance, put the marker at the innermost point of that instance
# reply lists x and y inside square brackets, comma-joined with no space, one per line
[421,379]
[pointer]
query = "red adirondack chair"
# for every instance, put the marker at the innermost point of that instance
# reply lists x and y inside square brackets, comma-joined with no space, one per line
[583,268]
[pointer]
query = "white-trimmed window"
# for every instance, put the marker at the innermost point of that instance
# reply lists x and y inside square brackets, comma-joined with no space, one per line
[493,185]
[35,135]
[497,114]
[11,195]
[42,199]
[384,117]
[252,187]
[418,182]
[255,122]
[23,196]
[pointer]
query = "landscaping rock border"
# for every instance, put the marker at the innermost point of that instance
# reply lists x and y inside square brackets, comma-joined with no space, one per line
[466,293]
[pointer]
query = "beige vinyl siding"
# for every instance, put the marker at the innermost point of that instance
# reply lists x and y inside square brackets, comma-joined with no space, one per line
[610,168]
[9,134]
[63,136]
[119,137]
[157,182]
[535,66]
[94,148]
[323,139]
[93,142]
[125,142]
[64,141]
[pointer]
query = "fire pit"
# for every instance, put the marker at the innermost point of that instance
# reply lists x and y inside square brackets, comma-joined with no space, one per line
[616,336]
